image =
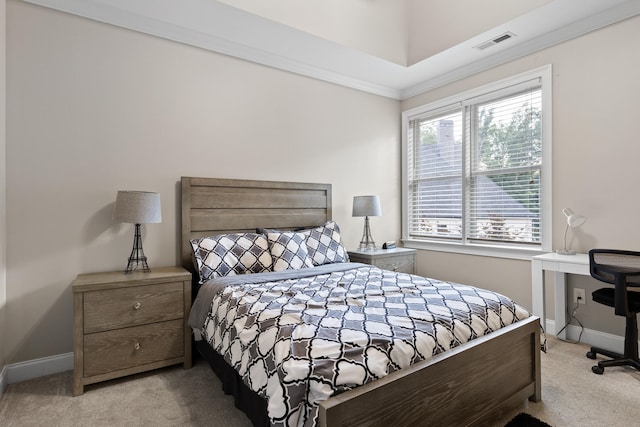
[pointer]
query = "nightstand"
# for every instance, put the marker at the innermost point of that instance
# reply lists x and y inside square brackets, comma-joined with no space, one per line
[129,323]
[402,260]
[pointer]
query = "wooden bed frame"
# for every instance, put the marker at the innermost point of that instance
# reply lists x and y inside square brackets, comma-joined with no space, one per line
[463,386]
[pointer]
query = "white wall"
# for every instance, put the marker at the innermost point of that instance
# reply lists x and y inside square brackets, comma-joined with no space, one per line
[595,159]
[93,109]
[3,187]
[374,27]
[436,25]
[400,31]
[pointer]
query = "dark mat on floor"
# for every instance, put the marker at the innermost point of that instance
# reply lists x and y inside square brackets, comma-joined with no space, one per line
[526,420]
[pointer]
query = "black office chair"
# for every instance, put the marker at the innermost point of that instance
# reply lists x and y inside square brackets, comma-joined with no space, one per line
[622,269]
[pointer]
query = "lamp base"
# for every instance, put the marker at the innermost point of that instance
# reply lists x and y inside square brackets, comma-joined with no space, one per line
[565,252]
[367,247]
[137,257]
[367,243]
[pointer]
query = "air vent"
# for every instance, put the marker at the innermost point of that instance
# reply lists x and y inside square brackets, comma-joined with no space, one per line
[495,40]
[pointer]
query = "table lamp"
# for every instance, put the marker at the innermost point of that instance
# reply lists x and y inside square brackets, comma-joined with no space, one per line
[137,207]
[366,206]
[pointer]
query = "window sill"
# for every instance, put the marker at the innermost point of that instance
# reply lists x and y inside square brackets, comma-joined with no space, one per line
[474,249]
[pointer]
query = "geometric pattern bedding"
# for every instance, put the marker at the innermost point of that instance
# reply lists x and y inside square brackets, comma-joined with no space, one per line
[288,250]
[299,341]
[228,254]
[324,244]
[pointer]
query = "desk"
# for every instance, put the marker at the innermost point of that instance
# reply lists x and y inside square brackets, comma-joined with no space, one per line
[560,265]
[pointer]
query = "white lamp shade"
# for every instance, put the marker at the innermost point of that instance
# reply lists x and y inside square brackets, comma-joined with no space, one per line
[138,207]
[573,219]
[366,206]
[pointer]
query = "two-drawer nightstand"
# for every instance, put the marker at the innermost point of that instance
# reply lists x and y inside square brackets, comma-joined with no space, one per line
[402,260]
[129,323]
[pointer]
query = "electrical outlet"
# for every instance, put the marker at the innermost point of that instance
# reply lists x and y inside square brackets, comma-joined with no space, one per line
[579,296]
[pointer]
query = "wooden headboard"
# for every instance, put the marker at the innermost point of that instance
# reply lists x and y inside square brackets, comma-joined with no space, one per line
[213,206]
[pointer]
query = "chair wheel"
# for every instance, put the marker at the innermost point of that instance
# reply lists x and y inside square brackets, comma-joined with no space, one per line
[597,370]
[591,355]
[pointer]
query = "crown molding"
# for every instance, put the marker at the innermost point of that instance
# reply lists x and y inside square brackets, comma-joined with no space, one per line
[551,37]
[218,27]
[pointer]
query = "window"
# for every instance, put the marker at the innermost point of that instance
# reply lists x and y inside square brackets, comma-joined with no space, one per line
[477,167]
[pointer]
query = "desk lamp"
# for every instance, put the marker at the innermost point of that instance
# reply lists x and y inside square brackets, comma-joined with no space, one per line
[574,220]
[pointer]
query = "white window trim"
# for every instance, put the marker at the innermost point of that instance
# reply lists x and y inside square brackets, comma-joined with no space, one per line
[545,75]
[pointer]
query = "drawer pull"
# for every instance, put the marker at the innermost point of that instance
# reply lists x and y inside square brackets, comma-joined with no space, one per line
[137,346]
[137,306]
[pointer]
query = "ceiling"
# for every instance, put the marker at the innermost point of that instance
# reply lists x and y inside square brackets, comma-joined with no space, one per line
[221,28]
[400,31]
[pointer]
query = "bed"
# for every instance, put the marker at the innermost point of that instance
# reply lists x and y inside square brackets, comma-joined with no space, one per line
[464,385]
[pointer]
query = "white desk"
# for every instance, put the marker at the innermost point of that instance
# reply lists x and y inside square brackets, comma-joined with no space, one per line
[560,265]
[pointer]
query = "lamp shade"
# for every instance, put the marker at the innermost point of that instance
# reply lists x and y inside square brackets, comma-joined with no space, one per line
[138,207]
[366,206]
[573,219]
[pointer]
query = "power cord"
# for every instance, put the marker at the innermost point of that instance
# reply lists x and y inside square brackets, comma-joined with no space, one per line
[572,316]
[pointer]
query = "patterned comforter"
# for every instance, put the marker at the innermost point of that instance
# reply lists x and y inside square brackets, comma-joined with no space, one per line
[298,337]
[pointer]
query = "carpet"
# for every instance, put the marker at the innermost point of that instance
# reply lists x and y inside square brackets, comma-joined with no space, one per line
[525,420]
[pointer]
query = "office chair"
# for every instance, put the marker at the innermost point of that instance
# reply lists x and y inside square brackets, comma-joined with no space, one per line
[622,269]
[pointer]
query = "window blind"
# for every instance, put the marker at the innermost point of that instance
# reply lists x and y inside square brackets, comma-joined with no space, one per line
[436,175]
[506,159]
[473,169]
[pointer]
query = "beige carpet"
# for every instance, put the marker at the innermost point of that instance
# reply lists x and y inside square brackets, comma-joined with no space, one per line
[572,396]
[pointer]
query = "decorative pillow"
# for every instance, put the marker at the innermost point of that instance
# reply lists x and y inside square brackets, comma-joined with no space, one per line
[324,244]
[229,254]
[288,250]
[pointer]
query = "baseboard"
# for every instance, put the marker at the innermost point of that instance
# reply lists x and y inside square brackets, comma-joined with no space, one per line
[591,337]
[3,380]
[23,371]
